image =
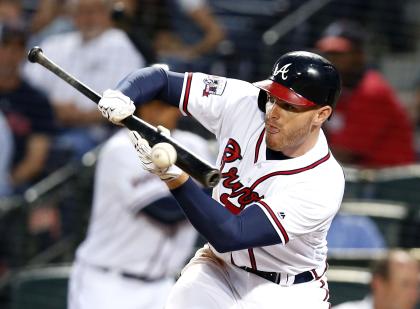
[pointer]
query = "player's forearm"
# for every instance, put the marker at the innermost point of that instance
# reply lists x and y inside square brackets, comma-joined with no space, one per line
[225,231]
[153,83]
[165,210]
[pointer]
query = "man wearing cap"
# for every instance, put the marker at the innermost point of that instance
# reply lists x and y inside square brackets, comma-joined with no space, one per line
[370,127]
[267,222]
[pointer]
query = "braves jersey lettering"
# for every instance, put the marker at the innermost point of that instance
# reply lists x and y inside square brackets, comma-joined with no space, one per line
[231,153]
[299,196]
[244,194]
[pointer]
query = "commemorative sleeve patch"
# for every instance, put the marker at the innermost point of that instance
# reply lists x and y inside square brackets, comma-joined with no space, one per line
[214,85]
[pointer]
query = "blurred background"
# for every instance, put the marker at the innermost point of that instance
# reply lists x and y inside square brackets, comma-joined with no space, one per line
[50,135]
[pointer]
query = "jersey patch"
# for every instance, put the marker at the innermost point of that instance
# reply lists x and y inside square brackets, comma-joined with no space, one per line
[214,85]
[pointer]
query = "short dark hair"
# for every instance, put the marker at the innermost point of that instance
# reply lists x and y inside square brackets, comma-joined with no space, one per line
[13,32]
[380,267]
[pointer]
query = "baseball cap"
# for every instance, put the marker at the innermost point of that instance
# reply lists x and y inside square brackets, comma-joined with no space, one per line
[341,36]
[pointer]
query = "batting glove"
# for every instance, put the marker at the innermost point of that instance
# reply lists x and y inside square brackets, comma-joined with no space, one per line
[144,152]
[116,106]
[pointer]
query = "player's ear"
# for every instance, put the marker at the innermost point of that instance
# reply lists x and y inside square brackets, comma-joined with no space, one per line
[322,114]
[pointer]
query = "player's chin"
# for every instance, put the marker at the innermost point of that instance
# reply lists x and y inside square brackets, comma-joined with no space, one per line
[274,141]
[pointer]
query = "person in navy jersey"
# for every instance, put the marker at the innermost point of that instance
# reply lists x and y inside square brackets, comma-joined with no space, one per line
[27,110]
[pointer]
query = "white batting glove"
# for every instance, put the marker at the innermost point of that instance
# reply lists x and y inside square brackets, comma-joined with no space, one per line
[144,152]
[116,106]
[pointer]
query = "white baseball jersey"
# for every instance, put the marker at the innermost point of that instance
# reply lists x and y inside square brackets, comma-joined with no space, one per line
[300,196]
[119,235]
[121,239]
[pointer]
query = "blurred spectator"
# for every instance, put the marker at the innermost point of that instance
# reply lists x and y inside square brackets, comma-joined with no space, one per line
[394,284]
[190,43]
[387,19]
[138,237]
[370,127]
[246,53]
[354,232]
[10,10]
[27,110]
[99,55]
[129,16]
[184,33]
[6,143]
[50,17]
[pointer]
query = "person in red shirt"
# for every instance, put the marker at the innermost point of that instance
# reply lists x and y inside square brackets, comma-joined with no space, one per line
[370,127]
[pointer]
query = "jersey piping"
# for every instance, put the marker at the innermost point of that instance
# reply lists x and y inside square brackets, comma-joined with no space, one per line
[187,94]
[258,146]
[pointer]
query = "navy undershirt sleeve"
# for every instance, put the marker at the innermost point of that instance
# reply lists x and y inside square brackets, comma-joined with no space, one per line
[153,83]
[224,230]
[165,210]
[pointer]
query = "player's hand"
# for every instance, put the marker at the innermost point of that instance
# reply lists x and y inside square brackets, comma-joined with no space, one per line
[144,152]
[116,106]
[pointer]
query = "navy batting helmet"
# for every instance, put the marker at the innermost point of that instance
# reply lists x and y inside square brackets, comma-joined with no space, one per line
[302,78]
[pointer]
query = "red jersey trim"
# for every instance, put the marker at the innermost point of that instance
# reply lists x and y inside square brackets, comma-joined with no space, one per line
[252,259]
[277,221]
[316,276]
[290,172]
[258,146]
[187,94]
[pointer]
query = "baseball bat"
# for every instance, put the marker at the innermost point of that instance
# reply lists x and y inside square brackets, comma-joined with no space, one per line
[189,162]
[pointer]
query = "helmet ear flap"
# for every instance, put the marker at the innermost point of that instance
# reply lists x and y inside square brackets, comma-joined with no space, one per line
[262,100]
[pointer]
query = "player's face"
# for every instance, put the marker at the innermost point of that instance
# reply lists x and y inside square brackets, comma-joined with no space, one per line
[288,126]
[11,55]
[91,17]
[401,289]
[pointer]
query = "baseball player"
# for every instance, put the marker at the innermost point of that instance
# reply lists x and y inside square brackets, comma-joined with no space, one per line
[280,189]
[138,238]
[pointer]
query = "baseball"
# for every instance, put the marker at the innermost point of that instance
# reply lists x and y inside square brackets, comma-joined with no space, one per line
[163,155]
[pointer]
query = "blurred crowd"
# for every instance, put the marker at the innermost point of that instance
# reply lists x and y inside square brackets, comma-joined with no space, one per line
[102,41]
[45,123]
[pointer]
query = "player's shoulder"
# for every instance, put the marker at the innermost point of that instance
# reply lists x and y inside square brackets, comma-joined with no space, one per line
[61,40]
[215,85]
[374,85]
[113,37]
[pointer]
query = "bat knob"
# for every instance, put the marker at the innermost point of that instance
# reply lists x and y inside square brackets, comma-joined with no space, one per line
[212,178]
[33,53]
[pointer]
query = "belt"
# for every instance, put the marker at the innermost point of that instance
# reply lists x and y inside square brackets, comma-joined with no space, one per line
[276,277]
[126,274]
